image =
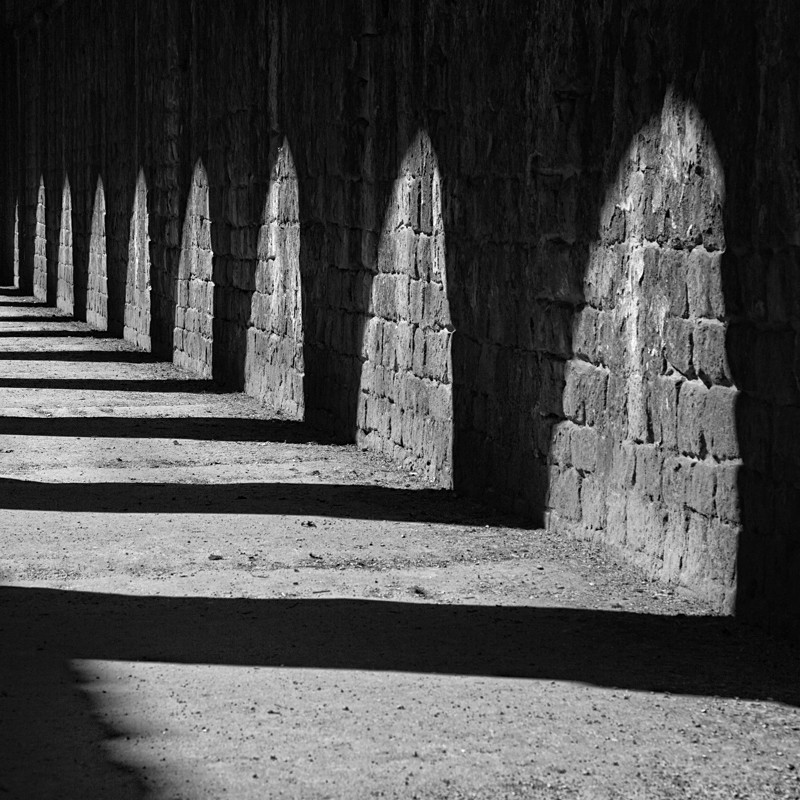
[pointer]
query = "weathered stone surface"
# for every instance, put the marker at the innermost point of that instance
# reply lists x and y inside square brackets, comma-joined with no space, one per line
[137,286]
[504,217]
[274,365]
[65,292]
[97,288]
[194,303]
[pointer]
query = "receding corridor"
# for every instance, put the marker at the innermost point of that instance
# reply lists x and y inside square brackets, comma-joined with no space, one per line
[199,601]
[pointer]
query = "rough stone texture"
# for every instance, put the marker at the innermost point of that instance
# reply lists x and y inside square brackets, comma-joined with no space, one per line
[97,289]
[137,286]
[405,407]
[274,364]
[65,294]
[653,283]
[194,307]
[40,248]
[16,244]
[619,192]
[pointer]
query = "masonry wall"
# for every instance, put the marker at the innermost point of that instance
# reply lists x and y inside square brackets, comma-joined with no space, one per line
[546,253]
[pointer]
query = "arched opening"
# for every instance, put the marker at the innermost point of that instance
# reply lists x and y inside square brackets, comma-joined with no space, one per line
[405,404]
[40,247]
[65,288]
[647,457]
[97,284]
[137,285]
[274,366]
[194,306]
[16,244]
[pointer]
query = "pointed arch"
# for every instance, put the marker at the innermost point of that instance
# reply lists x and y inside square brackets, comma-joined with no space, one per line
[274,366]
[40,246]
[194,306]
[137,285]
[65,287]
[405,404]
[649,399]
[97,285]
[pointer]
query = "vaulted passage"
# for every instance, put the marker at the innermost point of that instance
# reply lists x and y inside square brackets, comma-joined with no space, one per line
[278,272]
[573,300]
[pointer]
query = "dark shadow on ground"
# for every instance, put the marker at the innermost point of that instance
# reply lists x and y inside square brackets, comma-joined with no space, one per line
[31,304]
[33,318]
[26,334]
[10,292]
[223,429]
[126,356]
[53,744]
[640,652]
[166,385]
[344,501]
[49,723]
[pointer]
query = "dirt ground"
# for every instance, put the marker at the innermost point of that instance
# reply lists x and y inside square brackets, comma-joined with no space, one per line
[202,602]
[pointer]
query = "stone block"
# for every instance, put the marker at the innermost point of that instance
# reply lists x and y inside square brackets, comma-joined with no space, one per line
[704,278]
[675,480]
[623,470]
[560,451]
[584,337]
[593,502]
[645,524]
[565,493]
[719,422]
[702,486]
[672,279]
[726,498]
[710,357]
[662,409]
[711,554]
[649,463]
[691,414]
[584,392]
[584,448]
[678,342]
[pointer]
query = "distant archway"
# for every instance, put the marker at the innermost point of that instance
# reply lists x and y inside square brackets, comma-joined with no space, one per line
[405,406]
[137,285]
[274,366]
[40,246]
[194,306]
[16,243]
[97,286]
[65,287]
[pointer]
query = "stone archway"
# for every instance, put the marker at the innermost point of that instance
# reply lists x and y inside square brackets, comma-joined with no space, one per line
[40,246]
[97,285]
[194,306]
[65,287]
[647,458]
[137,284]
[405,403]
[274,365]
